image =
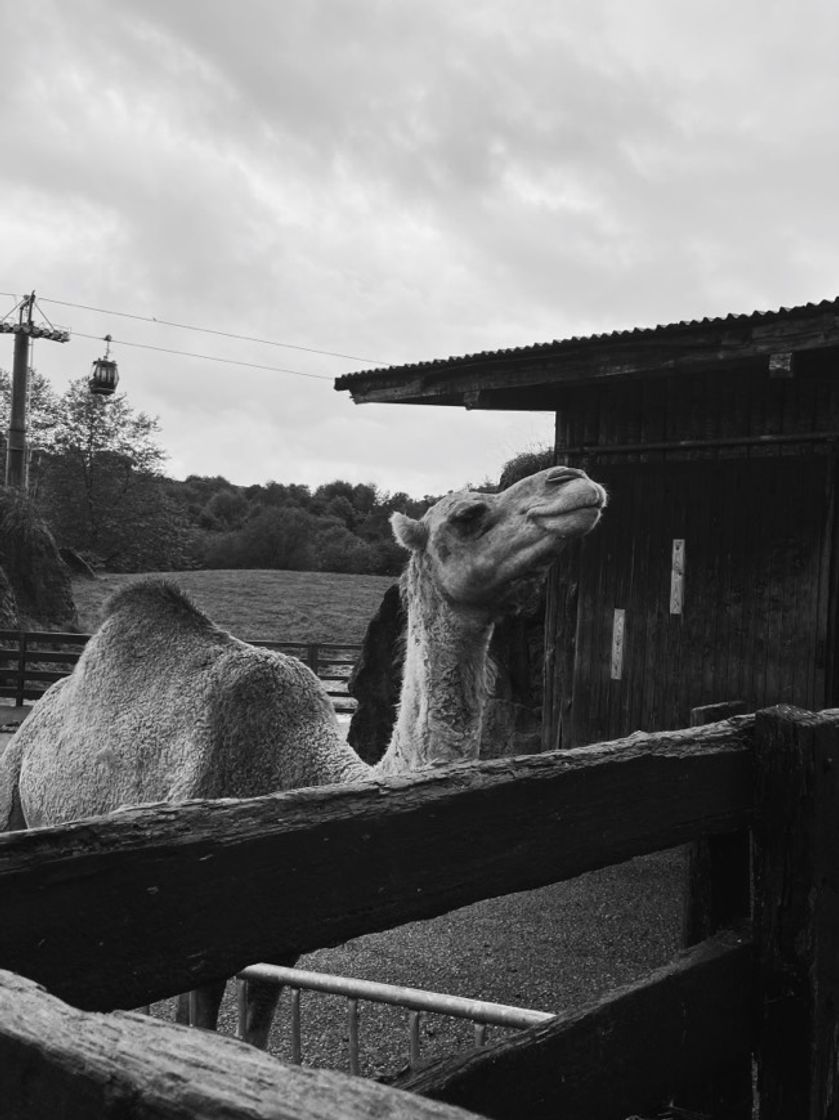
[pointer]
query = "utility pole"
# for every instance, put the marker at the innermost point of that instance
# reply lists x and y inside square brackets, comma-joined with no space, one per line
[25,331]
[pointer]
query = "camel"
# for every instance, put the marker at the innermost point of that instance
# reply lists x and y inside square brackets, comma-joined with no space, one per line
[163,705]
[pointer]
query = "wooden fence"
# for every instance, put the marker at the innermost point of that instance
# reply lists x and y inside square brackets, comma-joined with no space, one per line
[31,660]
[124,910]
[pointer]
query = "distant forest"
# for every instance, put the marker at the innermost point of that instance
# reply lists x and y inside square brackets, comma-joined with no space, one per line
[96,477]
[337,527]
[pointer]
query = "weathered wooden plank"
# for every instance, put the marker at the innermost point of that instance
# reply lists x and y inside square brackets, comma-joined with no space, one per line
[48,675]
[718,868]
[57,1063]
[657,682]
[638,545]
[731,649]
[821,687]
[614,594]
[818,443]
[560,645]
[173,895]
[719,896]
[796,838]
[801,579]
[628,1052]
[65,657]
[588,666]
[647,671]
[37,636]
[679,484]
[830,577]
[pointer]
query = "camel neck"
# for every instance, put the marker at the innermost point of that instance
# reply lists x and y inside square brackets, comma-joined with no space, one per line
[444,687]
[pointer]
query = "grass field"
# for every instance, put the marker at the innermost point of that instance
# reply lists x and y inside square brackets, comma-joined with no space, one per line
[271,605]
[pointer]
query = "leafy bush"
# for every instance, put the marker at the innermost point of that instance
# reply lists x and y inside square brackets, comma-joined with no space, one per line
[33,568]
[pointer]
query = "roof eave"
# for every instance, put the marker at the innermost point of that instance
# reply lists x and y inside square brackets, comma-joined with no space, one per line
[684,348]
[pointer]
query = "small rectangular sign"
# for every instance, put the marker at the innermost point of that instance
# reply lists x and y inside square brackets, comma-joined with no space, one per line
[618,634]
[677,577]
[781,365]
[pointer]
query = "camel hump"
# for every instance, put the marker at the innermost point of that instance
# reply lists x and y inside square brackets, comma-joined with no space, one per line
[156,601]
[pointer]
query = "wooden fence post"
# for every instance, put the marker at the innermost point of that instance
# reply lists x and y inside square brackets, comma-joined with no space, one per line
[796,856]
[718,896]
[718,868]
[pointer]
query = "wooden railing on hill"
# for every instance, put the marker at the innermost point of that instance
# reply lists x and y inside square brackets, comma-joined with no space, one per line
[31,660]
[124,910]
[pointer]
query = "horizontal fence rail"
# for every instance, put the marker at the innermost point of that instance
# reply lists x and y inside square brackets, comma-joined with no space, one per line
[134,907]
[399,850]
[480,1012]
[56,1061]
[623,1053]
[30,661]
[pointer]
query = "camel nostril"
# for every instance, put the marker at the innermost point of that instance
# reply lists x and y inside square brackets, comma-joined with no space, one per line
[564,474]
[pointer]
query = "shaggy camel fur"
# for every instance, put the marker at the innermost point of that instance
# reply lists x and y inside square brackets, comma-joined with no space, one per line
[165,706]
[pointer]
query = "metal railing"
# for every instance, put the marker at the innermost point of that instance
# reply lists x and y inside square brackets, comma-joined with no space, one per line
[415,1000]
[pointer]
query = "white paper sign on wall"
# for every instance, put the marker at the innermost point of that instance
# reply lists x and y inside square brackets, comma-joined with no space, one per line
[618,634]
[677,578]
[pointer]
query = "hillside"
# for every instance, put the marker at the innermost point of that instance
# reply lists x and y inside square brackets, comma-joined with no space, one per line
[273,605]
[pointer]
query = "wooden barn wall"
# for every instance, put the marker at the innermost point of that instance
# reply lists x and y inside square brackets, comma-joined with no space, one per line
[758,528]
[721,404]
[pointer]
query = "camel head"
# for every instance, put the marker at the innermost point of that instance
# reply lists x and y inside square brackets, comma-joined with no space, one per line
[477,547]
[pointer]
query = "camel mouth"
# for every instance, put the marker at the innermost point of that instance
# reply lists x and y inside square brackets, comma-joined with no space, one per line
[574,495]
[594,501]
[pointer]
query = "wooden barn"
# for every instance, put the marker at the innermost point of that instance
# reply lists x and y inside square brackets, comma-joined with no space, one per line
[713,575]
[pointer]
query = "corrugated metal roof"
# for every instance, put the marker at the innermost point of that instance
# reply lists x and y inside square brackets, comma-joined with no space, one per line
[751,319]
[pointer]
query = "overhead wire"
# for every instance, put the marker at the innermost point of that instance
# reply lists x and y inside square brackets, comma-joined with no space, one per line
[210,330]
[207,357]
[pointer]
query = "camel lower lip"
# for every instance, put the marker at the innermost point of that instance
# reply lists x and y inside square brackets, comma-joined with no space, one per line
[563,511]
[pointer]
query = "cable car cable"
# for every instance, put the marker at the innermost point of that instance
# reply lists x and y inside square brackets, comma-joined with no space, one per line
[209,330]
[207,357]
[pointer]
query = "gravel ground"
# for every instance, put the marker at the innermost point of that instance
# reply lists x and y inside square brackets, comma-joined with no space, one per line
[549,949]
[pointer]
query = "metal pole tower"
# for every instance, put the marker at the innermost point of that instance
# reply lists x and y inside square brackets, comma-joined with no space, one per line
[25,331]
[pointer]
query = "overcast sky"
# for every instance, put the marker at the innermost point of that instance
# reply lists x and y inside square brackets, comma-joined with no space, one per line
[398,181]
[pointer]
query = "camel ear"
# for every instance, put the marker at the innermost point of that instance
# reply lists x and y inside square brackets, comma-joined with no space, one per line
[409,533]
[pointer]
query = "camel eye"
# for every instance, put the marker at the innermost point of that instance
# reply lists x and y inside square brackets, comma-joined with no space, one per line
[470,516]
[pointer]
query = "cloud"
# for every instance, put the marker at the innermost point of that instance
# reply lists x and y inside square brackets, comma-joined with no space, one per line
[399,182]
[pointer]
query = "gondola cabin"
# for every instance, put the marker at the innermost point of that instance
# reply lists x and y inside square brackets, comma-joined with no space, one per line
[104,375]
[713,575]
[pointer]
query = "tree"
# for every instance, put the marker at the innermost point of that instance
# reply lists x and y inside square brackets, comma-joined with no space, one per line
[339,550]
[43,409]
[102,489]
[196,490]
[272,538]
[225,511]
[89,425]
[279,494]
